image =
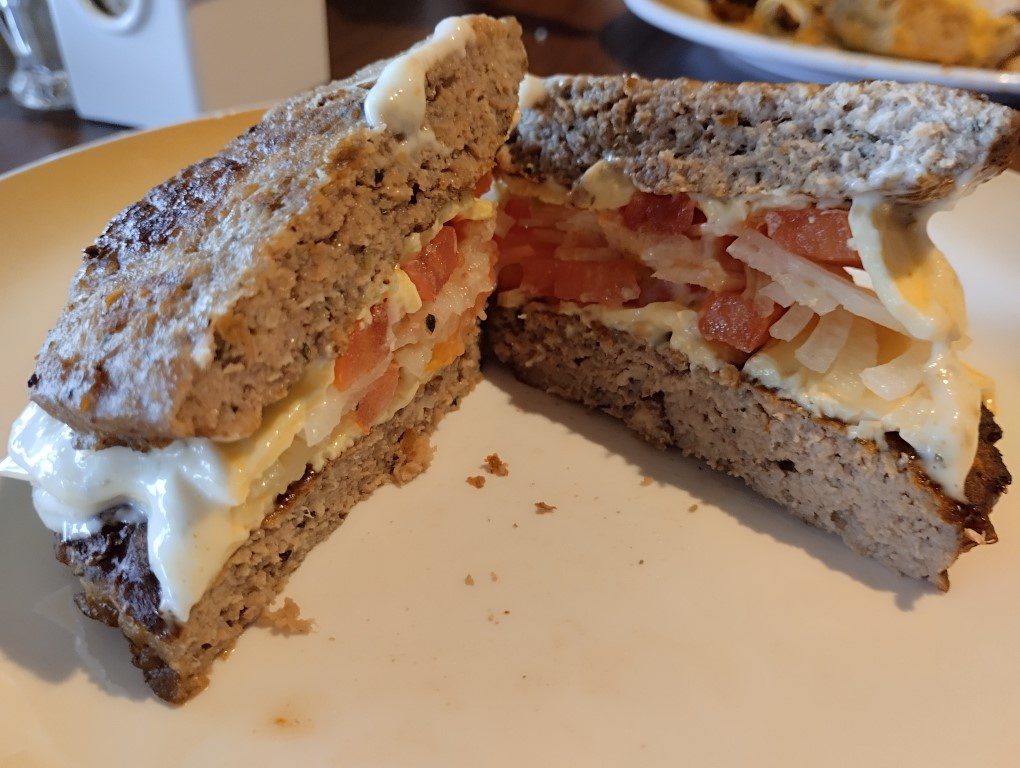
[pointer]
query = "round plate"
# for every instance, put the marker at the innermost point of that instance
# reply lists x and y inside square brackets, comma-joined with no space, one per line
[642,622]
[811,63]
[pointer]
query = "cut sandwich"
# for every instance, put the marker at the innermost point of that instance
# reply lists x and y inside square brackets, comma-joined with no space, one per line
[743,272]
[263,340]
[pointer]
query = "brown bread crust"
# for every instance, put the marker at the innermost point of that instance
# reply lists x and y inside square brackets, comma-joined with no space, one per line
[914,142]
[205,301]
[878,500]
[120,589]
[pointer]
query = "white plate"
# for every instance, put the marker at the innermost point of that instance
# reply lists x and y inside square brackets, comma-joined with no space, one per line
[811,63]
[622,629]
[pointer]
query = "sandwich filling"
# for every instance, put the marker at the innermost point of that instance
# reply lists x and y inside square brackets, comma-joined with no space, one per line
[201,498]
[847,309]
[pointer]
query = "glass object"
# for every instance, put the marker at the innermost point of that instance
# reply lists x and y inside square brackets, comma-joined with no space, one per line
[39,80]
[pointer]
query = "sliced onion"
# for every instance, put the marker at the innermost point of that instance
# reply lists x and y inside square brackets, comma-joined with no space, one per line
[826,341]
[900,376]
[681,260]
[807,282]
[859,352]
[793,321]
[777,293]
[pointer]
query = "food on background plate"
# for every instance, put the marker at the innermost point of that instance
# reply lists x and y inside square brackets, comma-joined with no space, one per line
[743,272]
[951,32]
[263,340]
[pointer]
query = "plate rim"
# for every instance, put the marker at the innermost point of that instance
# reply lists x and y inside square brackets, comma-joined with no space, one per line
[761,48]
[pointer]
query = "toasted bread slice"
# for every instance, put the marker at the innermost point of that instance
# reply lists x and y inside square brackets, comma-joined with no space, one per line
[206,301]
[910,142]
[879,500]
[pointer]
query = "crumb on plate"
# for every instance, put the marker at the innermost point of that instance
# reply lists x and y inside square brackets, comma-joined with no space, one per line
[476,480]
[541,508]
[286,620]
[496,466]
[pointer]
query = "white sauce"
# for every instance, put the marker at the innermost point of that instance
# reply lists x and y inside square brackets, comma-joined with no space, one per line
[531,92]
[201,498]
[397,100]
[604,186]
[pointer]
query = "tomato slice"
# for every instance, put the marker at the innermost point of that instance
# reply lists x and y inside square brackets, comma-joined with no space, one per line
[432,266]
[375,401]
[366,349]
[483,184]
[662,214]
[518,208]
[819,235]
[732,319]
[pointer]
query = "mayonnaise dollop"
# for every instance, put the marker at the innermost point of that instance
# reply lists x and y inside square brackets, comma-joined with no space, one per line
[397,100]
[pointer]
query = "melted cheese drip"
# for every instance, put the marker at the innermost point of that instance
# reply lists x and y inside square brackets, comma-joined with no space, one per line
[397,100]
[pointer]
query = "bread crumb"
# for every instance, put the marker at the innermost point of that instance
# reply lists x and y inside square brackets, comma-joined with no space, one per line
[413,457]
[541,508]
[493,576]
[692,508]
[476,480]
[496,466]
[646,481]
[469,581]
[640,562]
[285,620]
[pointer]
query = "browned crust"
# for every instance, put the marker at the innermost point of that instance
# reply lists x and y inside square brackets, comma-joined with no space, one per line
[563,355]
[120,590]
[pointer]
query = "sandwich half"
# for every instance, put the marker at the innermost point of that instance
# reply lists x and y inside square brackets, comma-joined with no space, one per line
[264,339]
[743,272]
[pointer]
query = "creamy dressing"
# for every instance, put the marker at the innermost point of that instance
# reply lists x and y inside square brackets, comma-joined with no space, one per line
[531,92]
[397,100]
[604,186]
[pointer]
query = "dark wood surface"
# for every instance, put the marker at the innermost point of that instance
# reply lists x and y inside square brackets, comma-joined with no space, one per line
[598,36]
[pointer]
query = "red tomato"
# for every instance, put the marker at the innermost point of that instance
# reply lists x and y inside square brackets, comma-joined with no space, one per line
[518,208]
[730,318]
[432,266]
[663,214]
[374,402]
[483,184]
[819,235]
[653,289]
[366,349]
[520,243]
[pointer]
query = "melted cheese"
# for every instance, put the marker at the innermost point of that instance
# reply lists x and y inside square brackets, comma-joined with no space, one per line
[531,92]
[604,186]
[397,100]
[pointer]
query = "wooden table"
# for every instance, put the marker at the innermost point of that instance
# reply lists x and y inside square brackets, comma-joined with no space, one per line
[598,36]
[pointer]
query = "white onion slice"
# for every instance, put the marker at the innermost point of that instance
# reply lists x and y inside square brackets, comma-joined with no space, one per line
[793,321]
[777,293]
[826,341]
[681,260]
[809,283]
[860,351]
[900,376]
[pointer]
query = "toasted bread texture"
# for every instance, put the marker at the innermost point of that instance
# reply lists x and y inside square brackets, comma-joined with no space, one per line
[205,301]
[878,500]
[910,142]
[120,589]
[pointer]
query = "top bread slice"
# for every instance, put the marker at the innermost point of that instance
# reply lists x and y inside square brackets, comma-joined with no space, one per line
[910,142]
[205,301]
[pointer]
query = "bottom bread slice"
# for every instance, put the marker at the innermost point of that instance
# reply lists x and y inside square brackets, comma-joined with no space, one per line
[879,500]
[120,589]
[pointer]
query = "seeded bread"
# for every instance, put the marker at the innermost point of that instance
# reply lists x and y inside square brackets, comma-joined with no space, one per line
[120,589]
[878,500]
[205,301]
[911,142]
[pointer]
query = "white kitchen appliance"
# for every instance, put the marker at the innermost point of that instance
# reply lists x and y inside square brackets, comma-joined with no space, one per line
[152,62]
